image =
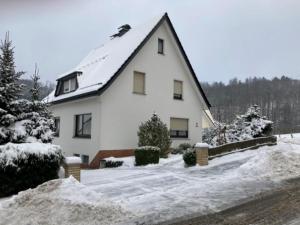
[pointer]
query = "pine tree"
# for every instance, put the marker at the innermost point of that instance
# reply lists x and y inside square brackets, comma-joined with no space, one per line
[36,86]
[9,86]
[155,133]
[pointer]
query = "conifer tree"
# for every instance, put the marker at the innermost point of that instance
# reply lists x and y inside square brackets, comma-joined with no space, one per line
[155,133]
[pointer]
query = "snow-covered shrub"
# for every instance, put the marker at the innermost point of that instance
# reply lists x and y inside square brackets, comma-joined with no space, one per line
[155,133]
[146,155]
[181,148]
[113,164]
[244,127]
[27,165]
[189,157]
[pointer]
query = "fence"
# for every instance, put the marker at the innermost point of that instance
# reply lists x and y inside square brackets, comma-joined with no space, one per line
[248,144]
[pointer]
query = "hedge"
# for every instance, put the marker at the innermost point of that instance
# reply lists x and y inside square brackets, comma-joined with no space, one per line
[146,155]
[113,164]
[24,166]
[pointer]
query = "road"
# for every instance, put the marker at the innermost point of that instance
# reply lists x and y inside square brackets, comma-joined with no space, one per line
[277,207]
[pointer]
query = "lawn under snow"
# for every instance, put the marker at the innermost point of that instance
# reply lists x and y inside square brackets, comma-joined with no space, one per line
[168,190]
[153,193]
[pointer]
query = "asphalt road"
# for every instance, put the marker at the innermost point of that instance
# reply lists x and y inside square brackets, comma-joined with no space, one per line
[277,207]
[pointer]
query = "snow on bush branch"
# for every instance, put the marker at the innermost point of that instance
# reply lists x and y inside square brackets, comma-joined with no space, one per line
[244,127]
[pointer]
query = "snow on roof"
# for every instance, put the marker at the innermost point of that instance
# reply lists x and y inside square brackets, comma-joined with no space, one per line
[103,62]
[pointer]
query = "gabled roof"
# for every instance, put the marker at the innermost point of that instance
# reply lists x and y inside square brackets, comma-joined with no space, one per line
[103,64]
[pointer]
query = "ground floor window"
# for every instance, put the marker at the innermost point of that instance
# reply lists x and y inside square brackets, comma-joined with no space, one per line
[56,126]
[179,128]
[84,158]
[83,125]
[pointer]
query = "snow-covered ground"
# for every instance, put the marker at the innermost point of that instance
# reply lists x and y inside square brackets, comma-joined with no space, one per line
[153,193]
[168,190]
[62,201]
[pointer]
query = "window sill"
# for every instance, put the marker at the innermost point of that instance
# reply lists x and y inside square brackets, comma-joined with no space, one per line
[84,137]
[180,138]
[138,93]
[179,99]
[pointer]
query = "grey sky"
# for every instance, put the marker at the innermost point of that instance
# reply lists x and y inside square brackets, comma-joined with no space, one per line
[223,39]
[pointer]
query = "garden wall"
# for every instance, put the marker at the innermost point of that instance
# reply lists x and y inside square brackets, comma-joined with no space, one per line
[248,144]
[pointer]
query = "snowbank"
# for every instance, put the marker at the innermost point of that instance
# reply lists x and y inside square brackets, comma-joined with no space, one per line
[62,201]
[11,152]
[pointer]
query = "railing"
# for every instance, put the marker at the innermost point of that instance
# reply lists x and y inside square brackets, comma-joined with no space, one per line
[248,144]
[179,133]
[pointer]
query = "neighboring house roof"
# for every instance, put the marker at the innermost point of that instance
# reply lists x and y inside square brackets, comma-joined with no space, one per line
[102,65]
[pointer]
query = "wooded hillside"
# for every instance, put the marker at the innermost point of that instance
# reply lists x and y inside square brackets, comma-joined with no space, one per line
[279,99]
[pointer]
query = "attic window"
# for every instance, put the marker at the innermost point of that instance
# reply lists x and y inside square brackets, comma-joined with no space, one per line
[67,84]
[160,46]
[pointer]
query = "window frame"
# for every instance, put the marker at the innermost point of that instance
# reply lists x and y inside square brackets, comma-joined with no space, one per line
[162,42]
[57,128]
[82,135]
[174,94]
[69,82]
[144,84]
[177,135]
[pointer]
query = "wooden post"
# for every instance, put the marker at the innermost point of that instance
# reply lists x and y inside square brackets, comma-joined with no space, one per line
[202,154]
[72,167]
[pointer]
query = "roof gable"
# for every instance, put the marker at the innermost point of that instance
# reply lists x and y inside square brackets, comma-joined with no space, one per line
[103,65]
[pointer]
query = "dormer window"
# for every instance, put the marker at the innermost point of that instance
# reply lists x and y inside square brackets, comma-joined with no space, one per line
[67,84]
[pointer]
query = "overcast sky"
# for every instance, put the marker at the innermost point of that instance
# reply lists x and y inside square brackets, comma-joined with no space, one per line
[223,39]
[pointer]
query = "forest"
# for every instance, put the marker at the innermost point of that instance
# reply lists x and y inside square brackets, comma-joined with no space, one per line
[279,99]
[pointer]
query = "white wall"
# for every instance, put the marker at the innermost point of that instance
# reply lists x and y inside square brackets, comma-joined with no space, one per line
[66,112]
[122,111]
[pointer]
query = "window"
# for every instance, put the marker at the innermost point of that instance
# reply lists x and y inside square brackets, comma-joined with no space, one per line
[83,125]
[84,158]
[160,46]
[69,85]
[56,126]
[179,128]
[138,83]
[177,90]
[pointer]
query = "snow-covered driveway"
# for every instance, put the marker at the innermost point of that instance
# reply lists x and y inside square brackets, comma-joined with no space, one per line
[168,190]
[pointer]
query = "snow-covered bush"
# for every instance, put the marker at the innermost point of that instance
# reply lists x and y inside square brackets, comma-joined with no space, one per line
[155,133]
[244,127]
[146,155]
[189,157]
[27,165]
[181,148]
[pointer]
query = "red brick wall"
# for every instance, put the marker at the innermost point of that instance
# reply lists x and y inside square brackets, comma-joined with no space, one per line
[110,153]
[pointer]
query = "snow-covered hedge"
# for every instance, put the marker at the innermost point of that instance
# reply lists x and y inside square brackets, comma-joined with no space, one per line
[146,155]
[27,165]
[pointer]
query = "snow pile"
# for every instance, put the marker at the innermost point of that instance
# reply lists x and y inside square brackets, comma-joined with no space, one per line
[148,148]
[273,162]
[10,153]
[62,201]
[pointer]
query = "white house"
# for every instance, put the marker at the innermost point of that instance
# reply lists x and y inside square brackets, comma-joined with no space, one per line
[99,104]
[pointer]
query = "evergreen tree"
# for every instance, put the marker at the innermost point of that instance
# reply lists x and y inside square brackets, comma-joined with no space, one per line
[35,90]
[155,133]
[9,85]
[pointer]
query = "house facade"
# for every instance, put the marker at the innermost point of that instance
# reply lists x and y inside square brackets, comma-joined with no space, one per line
[100,104]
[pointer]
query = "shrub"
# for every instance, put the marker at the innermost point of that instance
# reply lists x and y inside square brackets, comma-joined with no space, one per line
[181,148]
[24,166]
[113,164]
[155,133]
[146,155]
[189,157]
